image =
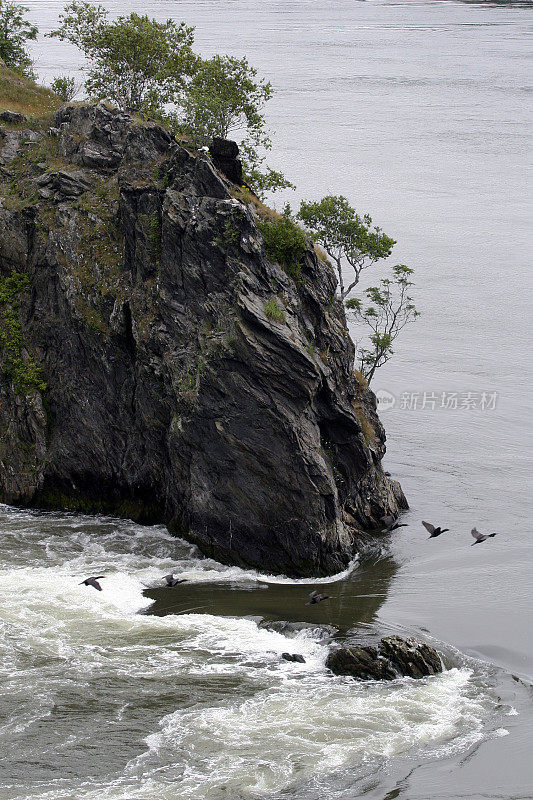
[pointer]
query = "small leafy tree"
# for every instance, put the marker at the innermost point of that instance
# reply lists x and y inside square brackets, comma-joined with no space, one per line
[391,309]
[225,97]
[65,88]
[134,61]
[345,236]
[259,176]
[15,31]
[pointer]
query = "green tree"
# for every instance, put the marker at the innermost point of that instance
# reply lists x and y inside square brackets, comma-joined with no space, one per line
[15,31]
[390,309]
[345,236]
[226,98]
[134,61]
[223,97]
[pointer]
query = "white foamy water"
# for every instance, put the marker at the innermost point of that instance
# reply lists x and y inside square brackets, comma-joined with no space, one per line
[184,705]
[306,728]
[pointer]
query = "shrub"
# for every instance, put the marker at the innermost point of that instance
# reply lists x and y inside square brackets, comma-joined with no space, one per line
[65,88]
[285,243]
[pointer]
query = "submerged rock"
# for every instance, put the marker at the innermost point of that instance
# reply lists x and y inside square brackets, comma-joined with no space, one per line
[174,393]
[292,629]
[293,657]
[391,658]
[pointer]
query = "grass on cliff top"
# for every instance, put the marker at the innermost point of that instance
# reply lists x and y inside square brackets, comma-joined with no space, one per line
[24,96]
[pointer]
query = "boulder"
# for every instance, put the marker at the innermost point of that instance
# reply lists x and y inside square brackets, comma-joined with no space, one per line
[297,657]
[224,156]
[13,118]
[393,657]
[409,657]
[224,148]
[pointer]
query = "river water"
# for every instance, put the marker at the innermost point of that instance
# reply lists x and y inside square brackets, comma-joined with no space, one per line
[417,112]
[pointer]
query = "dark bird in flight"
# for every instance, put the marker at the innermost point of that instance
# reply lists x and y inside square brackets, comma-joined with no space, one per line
[293,657]
[172,581]
[480,537]
[93,582]
[315,597]
[432,530]
[391,524]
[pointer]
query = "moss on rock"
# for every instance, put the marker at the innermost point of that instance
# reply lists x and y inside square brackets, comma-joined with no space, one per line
[23,370]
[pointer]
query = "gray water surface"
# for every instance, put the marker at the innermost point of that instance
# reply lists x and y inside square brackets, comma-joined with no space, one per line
[418,113]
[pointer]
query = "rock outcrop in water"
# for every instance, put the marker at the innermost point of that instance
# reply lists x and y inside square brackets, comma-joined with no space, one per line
[155,364]
[391,658]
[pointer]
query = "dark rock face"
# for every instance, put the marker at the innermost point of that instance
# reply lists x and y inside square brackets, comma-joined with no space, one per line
[171,395]
[224,155]
[391,658]
[13,117]
[62,185]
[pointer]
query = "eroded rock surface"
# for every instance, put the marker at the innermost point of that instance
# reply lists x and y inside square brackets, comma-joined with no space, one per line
[172,395]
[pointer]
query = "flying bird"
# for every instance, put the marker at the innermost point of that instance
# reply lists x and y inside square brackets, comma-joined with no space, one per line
[93,581]
[432,530]
[316,597]
[391,524]
[480,537]
[172,581]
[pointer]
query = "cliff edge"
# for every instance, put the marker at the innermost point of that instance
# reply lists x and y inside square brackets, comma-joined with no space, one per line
[155,364]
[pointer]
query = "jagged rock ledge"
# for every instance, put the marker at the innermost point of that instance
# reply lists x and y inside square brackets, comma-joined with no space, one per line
[174,393]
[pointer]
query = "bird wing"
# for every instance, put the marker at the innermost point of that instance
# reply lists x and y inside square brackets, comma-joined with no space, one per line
[314,593]
[428,526]
[476,534]
[168,578]
[387,520]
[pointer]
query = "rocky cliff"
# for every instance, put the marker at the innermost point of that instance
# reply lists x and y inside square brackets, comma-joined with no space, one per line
[155,364]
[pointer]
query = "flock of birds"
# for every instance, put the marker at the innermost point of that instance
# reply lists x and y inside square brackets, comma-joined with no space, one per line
[315,597]
[391,525]
[93,581]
